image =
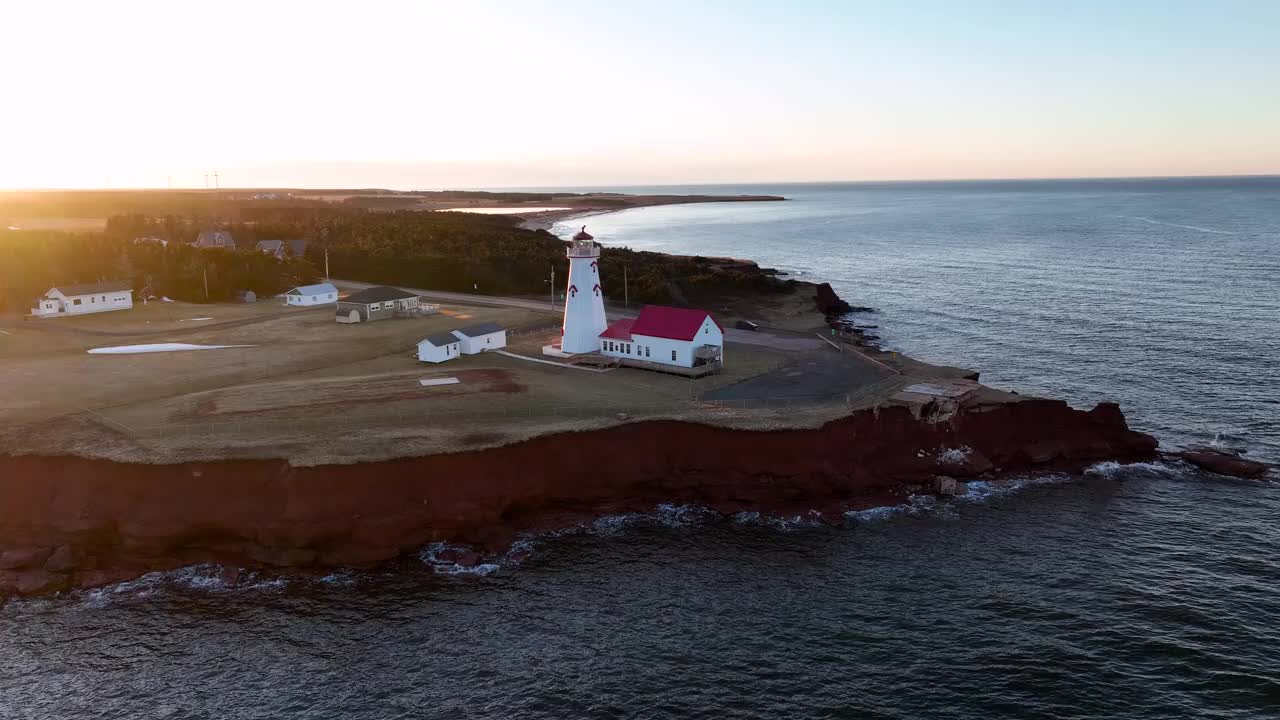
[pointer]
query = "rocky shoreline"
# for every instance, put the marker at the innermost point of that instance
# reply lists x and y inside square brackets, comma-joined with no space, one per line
[70,522]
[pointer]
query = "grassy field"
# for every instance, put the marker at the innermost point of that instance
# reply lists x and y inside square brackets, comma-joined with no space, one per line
[315,391]
[66,224]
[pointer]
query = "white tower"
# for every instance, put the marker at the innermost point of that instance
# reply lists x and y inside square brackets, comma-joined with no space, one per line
[584,318]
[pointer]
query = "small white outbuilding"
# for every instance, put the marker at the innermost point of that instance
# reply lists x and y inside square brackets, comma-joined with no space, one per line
[321,294]
[439,348]
[478,338]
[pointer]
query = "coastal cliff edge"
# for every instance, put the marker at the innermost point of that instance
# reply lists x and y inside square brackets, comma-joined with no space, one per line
[68,522]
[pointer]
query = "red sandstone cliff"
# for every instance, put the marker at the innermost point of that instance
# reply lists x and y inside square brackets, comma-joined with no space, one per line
[67,521]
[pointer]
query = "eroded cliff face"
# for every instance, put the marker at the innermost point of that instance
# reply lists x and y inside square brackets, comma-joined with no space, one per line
[67,522]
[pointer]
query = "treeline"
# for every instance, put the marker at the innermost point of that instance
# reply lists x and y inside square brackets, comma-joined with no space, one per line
[37,261]
[466,252]
[463,252]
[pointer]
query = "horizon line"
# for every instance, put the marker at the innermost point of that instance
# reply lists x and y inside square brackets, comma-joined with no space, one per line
[517,188]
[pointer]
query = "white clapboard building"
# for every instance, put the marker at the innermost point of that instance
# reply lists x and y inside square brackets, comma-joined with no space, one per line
[478,338]
[439,348]
[84,299]
[683,337]
[321,294]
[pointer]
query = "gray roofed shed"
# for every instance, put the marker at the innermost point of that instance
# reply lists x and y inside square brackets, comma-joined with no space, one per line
[442,339]
[481,329]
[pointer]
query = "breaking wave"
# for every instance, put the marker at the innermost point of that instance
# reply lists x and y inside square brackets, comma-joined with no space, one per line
[443,559]
[204,578]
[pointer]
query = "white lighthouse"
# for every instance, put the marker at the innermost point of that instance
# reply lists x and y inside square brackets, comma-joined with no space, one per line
[584,318]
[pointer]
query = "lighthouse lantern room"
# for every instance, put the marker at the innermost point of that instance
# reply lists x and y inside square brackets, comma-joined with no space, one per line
[584,317]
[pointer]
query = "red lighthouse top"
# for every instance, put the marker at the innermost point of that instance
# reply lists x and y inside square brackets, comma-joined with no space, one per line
[583,234]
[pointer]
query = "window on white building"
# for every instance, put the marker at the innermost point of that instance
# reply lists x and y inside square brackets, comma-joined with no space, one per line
[76,301]
[673,356]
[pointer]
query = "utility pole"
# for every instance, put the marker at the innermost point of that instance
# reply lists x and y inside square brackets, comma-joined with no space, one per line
[626,295]
[326,263]
[216,186]
[206,284]
[553,287]
[206,181]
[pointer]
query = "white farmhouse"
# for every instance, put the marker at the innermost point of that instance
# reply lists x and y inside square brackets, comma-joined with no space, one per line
[478,338]
[83,299]
[322,294]
[274,248]
[220,239]
[438,348]
[683,337]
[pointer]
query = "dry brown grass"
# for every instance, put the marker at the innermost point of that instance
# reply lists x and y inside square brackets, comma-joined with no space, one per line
[314,391]
[59,224]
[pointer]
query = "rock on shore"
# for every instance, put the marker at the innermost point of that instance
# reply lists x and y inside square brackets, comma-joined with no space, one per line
[1225,463]
[828,302]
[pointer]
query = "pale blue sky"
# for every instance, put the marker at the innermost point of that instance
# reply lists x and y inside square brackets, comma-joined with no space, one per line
[423,94]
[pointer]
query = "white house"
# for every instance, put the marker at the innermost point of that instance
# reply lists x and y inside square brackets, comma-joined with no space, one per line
[274,248]
[478,338]
[666,335]
[282,248]
[215,239]
[438,348]
[322,294]
[83,299]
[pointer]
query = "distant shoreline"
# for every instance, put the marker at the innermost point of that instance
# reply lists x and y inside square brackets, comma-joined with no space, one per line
[547,219]
[544,220]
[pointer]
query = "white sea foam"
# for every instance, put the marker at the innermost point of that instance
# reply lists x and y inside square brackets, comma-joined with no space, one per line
[875,514]
[340,578]
[954,456]
[431,556]
[781,523]
[1111,469]
[205,577]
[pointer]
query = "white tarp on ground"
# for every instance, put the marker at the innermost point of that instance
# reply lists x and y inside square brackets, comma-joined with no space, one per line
[157,347]
[426,382]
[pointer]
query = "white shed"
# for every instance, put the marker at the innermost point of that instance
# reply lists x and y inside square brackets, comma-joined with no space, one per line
[83,299]
[322,294]
[439,348]
[478,338]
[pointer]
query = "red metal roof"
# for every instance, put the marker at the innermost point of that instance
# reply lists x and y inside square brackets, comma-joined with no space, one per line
[669,322]
[583,234]
[620,330]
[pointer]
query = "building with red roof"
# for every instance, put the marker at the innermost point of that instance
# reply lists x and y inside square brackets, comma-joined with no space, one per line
[685,337]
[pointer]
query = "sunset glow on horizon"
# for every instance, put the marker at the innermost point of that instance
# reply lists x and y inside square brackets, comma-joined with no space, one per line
[432,95]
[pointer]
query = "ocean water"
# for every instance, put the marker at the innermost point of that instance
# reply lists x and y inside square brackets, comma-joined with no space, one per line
[1148,591]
